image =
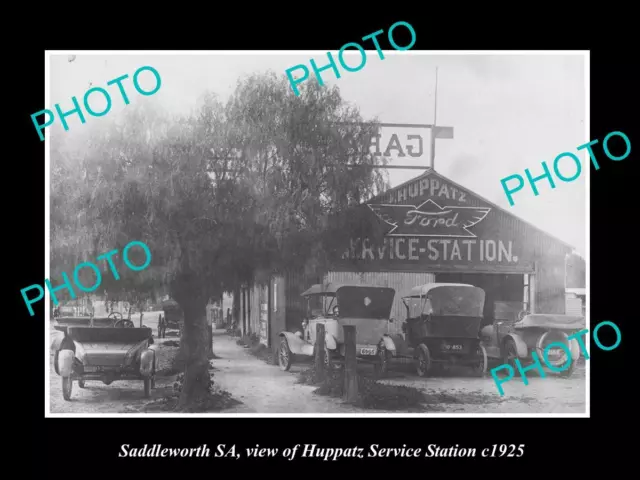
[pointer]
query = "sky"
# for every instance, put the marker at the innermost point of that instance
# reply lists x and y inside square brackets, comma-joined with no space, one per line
[508,112]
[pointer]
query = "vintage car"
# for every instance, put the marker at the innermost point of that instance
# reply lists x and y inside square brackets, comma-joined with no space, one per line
[367,307]
[442,328]
[172,317]
[86,352]
[507,340]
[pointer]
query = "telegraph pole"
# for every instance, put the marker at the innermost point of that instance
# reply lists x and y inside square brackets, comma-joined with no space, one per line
[434,129]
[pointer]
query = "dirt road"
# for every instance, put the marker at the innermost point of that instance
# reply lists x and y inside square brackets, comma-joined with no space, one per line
[264,388]
[550,394]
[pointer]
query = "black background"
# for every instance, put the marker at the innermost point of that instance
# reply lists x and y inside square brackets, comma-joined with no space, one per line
[89,447]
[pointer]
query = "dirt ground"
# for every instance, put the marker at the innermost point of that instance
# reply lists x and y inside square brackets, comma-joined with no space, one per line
[550,394]
[263,388]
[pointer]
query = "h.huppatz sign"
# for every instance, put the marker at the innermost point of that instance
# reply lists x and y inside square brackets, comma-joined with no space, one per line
[434,224]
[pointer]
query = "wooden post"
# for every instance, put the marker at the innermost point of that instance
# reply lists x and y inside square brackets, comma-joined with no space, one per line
[320,373]
[350,364]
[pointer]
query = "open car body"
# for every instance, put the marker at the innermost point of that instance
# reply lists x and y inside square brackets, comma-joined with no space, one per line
[442,326]
[508,340]
[105,353]
[367,307]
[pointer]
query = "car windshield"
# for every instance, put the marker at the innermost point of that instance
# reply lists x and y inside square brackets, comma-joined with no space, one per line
[320,305]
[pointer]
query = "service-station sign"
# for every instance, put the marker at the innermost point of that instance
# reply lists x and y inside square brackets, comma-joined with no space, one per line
[433,224]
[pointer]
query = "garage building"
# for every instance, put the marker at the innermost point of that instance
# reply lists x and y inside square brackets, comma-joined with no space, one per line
[438,231]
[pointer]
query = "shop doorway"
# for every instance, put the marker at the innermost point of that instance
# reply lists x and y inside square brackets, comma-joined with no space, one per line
[502,288]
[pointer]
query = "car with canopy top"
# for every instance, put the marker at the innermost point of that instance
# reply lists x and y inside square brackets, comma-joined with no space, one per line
[442,328]
[172,317]
[335,305]
[507,340]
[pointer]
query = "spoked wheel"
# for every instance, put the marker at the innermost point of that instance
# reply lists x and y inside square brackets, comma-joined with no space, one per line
[423,365]
[381,367]
[569,371]
[67,386]
[284,355]
[480,367]
[81,383]
[511,354]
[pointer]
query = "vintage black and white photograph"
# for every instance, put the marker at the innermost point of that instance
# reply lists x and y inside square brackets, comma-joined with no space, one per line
[278,233]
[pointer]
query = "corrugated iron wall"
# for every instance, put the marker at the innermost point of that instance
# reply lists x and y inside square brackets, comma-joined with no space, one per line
[402,282]
[254,302]
[550,289]
[574,305]
[548,254]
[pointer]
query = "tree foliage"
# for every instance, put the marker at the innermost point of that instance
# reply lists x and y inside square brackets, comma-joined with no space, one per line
[265,180]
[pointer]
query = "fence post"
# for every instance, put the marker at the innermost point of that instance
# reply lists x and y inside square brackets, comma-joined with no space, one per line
[350,364]
[320,352]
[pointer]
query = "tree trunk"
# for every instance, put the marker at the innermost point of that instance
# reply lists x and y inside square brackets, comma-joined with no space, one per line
[194,349]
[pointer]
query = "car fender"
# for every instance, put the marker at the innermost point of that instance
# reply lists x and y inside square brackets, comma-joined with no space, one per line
[393,343]
[65,362]
[147,362]
[521,346]
[296,344]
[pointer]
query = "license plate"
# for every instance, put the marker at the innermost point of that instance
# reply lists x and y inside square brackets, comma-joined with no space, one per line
[91,369]
[367,351]
[452,347]
[555,352]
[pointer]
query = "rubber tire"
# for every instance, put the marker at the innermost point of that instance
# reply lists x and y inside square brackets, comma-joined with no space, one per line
[425,355]
[381,367]
[569,371]
[67,388]
[481,368]
[147,387]
[153,374]
[81,383]
[55,362]
[284,365]
[510,347]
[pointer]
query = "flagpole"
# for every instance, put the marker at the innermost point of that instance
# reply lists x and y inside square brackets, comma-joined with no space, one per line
[433,130]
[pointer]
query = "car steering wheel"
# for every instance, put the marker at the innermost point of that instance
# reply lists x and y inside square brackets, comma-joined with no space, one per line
[115,316]
[123,323]
[335,311]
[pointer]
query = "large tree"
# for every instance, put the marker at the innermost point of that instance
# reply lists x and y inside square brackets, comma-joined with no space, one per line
[266,181]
